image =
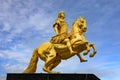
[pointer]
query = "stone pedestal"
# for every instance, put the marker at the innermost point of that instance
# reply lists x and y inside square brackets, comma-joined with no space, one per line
[41,76]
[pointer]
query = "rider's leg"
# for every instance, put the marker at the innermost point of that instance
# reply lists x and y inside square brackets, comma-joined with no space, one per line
[69,46]
[50,59]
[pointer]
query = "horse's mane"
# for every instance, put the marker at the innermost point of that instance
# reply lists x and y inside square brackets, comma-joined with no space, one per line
[73,25]
[72,28]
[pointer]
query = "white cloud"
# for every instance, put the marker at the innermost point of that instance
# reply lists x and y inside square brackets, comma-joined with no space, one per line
[17,19]
[2,54]
[6,27]
[41,21]
[3,77]
[13,68]
[18,52]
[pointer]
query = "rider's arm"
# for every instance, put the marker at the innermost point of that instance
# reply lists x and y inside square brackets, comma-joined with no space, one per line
[56,29]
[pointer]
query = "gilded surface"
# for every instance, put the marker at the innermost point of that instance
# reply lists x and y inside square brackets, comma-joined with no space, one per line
[62,46]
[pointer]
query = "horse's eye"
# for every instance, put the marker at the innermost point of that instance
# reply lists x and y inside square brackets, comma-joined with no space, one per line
[80,26]
[82,21]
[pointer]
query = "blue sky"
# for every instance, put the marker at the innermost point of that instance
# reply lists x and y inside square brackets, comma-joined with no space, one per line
[25,24]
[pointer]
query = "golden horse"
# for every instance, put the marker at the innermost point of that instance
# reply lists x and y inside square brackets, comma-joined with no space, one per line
[52,54]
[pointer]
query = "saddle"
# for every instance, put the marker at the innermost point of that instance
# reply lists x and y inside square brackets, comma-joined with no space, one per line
[60,46]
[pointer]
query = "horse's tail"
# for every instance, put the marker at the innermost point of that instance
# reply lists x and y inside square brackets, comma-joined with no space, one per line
[33,63]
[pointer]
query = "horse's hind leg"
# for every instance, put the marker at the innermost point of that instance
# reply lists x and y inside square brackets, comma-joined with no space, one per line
[87,49]
[51,57]
[53,65]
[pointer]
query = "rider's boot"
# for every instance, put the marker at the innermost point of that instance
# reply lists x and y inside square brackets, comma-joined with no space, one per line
[45,69]
[71,51]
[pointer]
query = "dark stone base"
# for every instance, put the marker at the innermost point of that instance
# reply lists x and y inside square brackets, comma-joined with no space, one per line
[40,76]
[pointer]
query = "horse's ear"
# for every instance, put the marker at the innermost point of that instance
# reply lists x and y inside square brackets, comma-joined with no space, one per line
[83,17]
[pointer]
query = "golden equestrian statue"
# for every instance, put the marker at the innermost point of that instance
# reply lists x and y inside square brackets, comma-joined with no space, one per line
[62,46]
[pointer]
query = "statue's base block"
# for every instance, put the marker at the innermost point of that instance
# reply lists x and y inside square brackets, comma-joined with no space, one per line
[41,76]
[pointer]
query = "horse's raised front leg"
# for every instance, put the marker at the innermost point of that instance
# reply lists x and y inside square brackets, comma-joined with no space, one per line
[94,50]
[87,49]
[81,59]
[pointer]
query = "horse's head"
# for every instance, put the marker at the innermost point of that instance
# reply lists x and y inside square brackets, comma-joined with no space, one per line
[82,24]
[79,26]
[78,29]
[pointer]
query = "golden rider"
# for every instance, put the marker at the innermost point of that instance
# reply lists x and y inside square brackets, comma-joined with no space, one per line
[61,28]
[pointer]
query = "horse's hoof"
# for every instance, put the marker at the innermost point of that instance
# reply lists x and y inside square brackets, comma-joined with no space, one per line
[91,55]
[84,60]
[58,72]
[84,54]
[52,72]
[46,70]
